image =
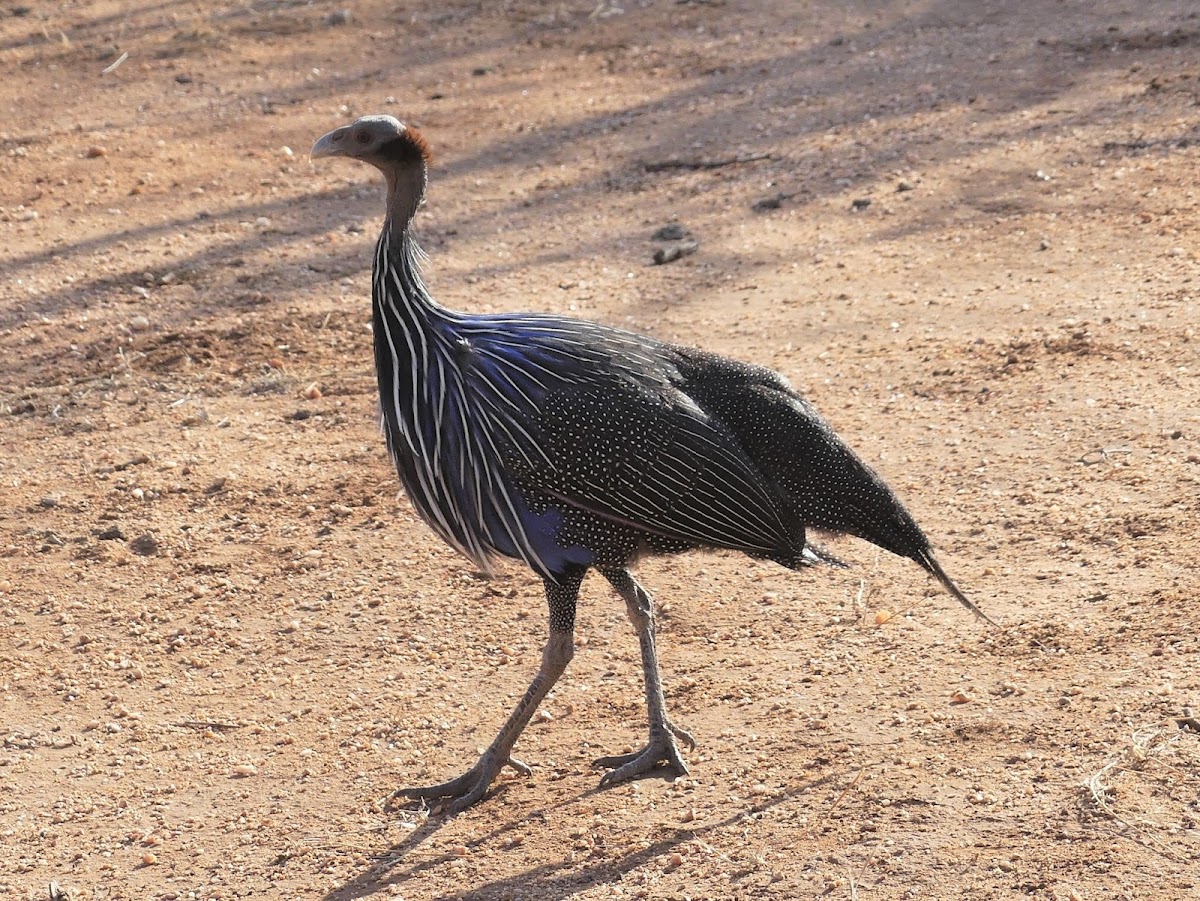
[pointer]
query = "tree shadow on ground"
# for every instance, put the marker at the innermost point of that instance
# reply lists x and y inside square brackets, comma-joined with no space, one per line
[834,80]
[824,84]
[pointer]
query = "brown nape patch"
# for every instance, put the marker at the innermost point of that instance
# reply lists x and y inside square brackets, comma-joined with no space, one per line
[419,144]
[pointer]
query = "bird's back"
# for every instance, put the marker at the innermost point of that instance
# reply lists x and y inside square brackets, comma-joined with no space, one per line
[826,485]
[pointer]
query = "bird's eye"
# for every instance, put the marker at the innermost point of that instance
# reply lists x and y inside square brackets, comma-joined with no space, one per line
[362,137]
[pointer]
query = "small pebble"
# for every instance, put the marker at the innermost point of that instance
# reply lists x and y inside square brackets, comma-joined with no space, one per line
[882,616]
[96,151]
[960,697]
[149,859]
[673,862]
[860,203]
[245,769]
[312,392]
[338,17]
[49,501]
[139,323]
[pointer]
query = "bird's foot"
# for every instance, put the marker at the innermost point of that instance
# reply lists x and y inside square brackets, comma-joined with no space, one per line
[468,788]
[661,753]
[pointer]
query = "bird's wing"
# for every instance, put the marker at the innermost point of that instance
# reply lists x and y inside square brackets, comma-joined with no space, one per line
[825,483]
[604,427]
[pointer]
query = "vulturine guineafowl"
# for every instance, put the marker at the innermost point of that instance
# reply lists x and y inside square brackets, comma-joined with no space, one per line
[571,446]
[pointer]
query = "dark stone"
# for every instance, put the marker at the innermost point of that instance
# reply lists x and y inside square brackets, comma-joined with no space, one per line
[675,251]
[144,545]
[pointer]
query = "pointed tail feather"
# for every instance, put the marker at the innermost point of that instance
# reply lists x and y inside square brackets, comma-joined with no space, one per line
[930,564]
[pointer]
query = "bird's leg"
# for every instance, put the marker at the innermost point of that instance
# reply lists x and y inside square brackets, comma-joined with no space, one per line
[560,647]
[662,747]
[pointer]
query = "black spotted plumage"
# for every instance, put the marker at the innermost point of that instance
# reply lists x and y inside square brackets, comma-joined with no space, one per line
[571,445]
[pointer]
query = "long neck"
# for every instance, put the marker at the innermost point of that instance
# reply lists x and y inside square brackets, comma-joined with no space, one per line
[413,363]
[411,329]
[398,284]
[398,288]
[405,190]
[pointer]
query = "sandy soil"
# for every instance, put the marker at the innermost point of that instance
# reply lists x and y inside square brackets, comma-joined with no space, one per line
[224,636]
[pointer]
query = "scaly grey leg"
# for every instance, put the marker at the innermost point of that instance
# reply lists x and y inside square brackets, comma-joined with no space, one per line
[662,747]
[560,647]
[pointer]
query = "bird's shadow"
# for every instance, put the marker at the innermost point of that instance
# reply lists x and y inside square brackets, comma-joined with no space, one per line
[558,878]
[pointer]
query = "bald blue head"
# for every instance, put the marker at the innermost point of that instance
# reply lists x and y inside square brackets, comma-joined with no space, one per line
[381,141]
[399,151]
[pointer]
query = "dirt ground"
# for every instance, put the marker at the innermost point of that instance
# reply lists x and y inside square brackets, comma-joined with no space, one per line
[966,230]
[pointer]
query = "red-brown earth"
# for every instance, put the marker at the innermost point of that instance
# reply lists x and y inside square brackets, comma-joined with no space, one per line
[224,635]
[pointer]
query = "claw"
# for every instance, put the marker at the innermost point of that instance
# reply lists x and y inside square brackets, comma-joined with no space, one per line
[661,749]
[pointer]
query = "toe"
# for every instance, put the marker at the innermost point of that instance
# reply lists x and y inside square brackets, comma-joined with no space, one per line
[520,766]
[615,761]
[683,735]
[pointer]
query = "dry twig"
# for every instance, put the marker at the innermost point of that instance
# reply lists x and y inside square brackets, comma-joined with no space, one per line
[663,165]
[204,724]
[108,70]
[1146,744]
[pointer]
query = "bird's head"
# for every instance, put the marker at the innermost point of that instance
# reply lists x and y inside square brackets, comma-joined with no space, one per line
[383,141]
[395,149]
